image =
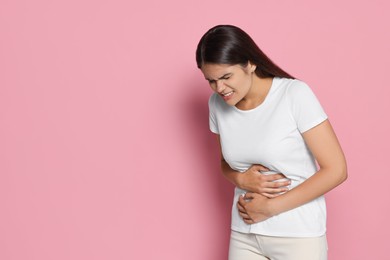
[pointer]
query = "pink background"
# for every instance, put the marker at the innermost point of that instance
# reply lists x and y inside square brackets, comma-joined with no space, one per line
[105,151]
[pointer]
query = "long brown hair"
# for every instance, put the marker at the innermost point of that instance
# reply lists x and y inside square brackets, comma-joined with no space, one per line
[228,44]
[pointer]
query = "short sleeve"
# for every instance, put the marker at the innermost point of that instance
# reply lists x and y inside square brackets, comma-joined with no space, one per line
[306,110]
[212,115]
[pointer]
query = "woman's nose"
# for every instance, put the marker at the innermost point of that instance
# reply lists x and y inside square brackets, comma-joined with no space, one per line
[220,86]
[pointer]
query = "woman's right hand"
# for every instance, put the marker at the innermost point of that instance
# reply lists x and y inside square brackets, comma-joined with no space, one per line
[269,185]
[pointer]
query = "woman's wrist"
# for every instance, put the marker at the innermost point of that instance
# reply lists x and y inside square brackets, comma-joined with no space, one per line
[238,180]
[274,206]
[234,177]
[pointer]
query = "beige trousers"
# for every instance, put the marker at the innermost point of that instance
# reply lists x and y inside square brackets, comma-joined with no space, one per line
[252,246]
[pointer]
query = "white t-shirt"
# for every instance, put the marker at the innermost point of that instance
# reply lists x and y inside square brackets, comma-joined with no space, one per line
[271,135]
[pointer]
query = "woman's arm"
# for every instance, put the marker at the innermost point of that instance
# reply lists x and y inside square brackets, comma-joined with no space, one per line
[252,180]
[325,147]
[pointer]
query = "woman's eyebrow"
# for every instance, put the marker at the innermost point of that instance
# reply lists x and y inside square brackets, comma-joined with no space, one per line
[224,76]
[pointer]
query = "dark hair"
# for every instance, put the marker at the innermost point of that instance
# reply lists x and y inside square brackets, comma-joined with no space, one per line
[228,44]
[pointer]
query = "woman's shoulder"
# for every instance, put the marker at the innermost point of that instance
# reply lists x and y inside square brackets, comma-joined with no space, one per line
[293,87]
[215,101]
[212,99]
[290,82]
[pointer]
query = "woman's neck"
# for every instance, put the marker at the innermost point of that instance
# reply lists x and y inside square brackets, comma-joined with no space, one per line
[257,93]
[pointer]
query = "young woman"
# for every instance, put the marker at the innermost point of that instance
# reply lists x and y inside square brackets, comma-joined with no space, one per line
[271,130]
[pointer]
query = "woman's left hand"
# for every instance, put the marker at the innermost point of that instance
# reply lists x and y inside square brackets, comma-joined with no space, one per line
[254,207]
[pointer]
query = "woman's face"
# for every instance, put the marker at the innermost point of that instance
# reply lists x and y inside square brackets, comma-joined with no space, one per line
[231,82]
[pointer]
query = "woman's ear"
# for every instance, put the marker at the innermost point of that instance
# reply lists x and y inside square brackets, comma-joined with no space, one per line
[251,67]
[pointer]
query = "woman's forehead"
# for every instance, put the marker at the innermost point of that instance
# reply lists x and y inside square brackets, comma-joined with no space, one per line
[218,70]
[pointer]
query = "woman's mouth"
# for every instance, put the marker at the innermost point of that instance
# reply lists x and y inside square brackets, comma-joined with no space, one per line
[227,96]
